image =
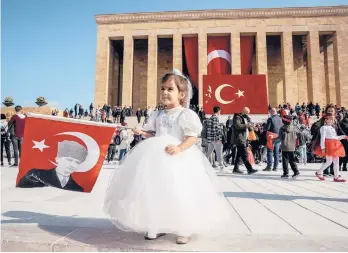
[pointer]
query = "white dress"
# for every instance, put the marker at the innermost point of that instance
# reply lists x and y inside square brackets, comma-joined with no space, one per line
[154,191]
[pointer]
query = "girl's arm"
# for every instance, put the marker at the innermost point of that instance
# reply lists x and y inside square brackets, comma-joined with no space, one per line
[143,133]
[322,137]
[187,143]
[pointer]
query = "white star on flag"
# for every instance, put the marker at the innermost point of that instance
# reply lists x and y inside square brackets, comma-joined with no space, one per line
[240,93]
[40,145]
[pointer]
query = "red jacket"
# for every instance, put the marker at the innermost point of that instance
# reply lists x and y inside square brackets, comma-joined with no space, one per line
[19,121]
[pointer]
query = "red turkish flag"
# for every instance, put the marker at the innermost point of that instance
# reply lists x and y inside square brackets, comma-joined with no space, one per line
[219,55]
[270,139]
[233,92]
[63,153]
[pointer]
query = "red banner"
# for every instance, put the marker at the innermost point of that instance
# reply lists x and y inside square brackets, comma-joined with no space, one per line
[219,55]
[233,92]
[246,54]
[62,153]
[191,57]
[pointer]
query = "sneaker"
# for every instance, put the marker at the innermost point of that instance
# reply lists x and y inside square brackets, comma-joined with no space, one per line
[285,176]
[340,180]
[267,169]
[274,169]
[182,239]
[14,165]
[296,175]
[215,166]
[252,171]
[237,171]
[321,177]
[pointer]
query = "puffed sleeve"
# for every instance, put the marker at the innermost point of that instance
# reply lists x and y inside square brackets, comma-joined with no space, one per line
[150,126]
[190,123]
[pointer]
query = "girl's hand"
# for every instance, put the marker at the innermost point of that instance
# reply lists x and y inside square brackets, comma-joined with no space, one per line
[137,131]
[172,150]
[342,137]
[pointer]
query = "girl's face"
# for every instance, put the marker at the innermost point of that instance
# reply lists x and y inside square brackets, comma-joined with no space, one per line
[331,110]
[170,94]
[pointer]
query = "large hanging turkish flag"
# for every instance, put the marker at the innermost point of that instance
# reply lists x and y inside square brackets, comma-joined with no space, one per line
[233,92]
[219,55]
[63,153]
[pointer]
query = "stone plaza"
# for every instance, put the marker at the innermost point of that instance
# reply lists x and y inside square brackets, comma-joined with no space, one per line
[270,214]
[302,51]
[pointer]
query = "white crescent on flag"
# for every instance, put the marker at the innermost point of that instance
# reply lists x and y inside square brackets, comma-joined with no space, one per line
[219,54]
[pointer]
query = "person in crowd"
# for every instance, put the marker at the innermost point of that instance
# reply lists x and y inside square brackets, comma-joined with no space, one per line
[330,147]
[317,110]
[303,139]
[315,132]
[288,137]
[126,137]
[214,136]
[112,149]
[201,114]
[274,123]
[16,128]
[138,114]
[344,127]
[5,140]
[241,123]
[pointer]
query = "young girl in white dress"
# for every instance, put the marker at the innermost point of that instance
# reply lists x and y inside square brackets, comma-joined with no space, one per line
[331,148]
[166,184]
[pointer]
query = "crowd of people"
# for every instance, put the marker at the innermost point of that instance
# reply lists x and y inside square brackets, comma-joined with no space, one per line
[238,140]
[221,141]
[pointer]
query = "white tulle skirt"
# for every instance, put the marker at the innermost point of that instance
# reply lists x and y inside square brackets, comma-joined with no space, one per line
[153,191]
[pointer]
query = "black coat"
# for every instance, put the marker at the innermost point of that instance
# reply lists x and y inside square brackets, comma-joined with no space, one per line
[41,178]
[239,132]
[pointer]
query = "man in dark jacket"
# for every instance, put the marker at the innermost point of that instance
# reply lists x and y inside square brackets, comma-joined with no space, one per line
[274,123]
[240,135]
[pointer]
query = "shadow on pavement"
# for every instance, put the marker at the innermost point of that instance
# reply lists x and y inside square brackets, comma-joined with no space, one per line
[96,232]
[255,195]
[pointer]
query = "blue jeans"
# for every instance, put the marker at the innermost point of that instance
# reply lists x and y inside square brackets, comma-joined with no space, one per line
[123,152]
[275,153]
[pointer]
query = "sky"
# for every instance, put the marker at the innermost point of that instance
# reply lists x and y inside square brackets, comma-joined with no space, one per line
[48,47]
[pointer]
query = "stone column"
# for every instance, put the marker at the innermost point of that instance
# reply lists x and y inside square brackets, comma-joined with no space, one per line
[127,82]
[235,53]
[152,71]
[261,56]
[290,94]
[329,66]
[202,64]
[316,80]
[341,67]
[102,71]
[177,51]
